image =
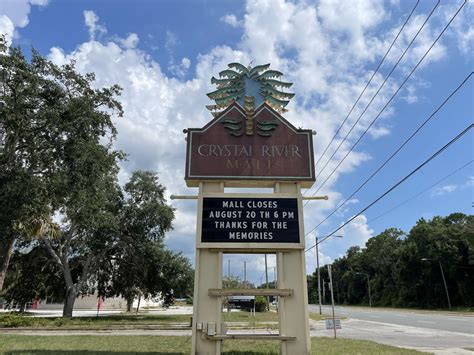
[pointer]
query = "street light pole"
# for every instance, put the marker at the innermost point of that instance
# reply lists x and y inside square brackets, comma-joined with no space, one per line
[444,280]
[317,268]
[370,297]
[332,300]
[319,275]
[368,286]
[445,285]
[266,282]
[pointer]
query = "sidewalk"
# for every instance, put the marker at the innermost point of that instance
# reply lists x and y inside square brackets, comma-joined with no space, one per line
[422,339]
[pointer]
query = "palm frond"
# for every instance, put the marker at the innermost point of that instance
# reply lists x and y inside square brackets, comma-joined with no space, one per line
[229,98]
[241,68]
[259,68]
[275,101]
[229,74]
[224,90]
[277,83]
[221,81]
[215,107]
[269,74]
[265,90]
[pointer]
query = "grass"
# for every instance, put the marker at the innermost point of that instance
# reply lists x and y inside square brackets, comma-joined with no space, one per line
[316,316]
[244,316]
[122,320]
[140,321]
[87,345]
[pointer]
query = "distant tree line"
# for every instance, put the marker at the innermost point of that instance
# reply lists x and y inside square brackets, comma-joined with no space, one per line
[67,228]
[403,270]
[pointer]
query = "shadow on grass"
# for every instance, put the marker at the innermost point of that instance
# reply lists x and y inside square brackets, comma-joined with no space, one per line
[90,352]
[83,352]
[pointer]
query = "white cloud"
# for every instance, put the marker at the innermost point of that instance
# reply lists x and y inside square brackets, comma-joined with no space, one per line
[171,41]
[231,20]
[410,96]
[7,28]
[14,13]
[357,232]
[91,22]
[130,42]
[470,181]
[325,56]
[311,261]
[443,190]
[462,28]
[181,69]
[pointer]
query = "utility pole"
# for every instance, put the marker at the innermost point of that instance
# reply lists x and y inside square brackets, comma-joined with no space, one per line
[319,275]
[445,285]
[276,286]
[245,274]
[324,292]
[370,297]
[228,268]
[266,281]
[444,280]
[332,300]
[368,286]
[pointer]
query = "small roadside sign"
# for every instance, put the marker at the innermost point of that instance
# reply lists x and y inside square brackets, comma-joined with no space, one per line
[330,323]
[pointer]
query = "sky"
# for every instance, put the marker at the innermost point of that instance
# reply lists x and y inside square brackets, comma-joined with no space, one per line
[164,53]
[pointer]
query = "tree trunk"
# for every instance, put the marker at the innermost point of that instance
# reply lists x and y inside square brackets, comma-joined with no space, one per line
[129,304]
[22,307]
[138,305]
[6,260]
[71,295]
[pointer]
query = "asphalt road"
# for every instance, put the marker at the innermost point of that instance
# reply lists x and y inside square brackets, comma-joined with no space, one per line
[447,321]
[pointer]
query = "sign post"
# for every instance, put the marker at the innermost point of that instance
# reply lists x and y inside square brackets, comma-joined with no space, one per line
[249,144]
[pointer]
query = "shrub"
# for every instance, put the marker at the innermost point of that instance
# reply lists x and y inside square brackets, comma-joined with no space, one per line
[261,304]
[13,320]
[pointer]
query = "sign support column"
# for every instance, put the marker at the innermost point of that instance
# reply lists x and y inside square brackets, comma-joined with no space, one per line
[293,311]
[208,274]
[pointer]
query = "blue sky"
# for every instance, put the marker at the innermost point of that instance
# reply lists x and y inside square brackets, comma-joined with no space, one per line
[163,54]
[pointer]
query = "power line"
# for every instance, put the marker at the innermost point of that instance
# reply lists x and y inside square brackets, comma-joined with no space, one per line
[416,195]
[392,97]
[441,150]
[370,80]
[396,151]
[380,87]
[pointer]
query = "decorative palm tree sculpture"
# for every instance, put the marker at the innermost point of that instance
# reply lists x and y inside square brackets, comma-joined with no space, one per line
[249,87]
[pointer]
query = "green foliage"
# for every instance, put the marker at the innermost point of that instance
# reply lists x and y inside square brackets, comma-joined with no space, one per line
[138,264]
[398,275]
[57,159]
[230,282]
[13,320]
[32,276]
[261,304]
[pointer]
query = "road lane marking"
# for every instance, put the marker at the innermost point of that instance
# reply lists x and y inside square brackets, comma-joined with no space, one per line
[424,321]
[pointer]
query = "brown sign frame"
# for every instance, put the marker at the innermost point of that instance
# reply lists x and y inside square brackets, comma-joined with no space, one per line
[304,136]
